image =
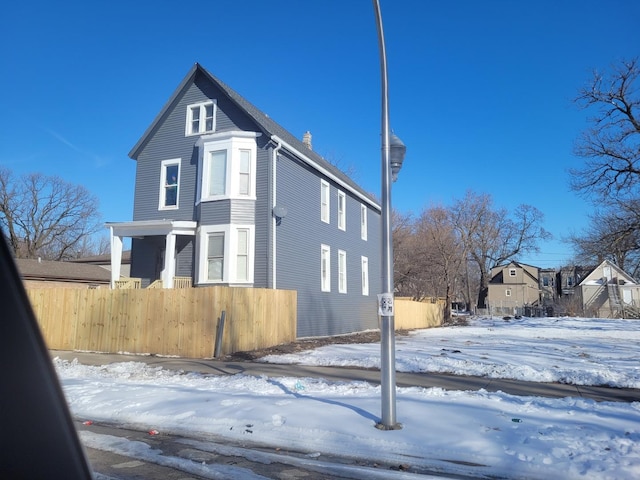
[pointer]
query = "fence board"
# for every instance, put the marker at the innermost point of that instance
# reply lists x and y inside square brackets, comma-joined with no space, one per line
[180,322]
[411,315]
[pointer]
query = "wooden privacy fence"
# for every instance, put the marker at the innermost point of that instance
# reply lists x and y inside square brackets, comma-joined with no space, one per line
[410,315]
[181,322]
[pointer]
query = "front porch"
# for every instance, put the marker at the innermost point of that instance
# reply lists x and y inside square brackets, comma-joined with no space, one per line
[169,229]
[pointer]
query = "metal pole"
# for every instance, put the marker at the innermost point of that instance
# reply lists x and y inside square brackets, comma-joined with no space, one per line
[387,328]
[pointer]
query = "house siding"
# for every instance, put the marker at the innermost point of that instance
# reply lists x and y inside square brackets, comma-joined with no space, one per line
[299,239]
[263,217]
[169,141]
[298,236]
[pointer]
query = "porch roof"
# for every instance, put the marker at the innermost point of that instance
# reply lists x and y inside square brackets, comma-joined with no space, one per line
[142,228]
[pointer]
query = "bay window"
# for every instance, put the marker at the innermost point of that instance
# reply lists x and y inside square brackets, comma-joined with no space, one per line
[228,165]
[226,254]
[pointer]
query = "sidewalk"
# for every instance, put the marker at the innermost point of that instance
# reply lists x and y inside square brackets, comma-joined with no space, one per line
[426,380]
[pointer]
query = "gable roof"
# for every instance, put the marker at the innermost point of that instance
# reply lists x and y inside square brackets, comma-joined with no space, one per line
[263,121]
[103,259]
[499,269]
[595,276]
[34,269]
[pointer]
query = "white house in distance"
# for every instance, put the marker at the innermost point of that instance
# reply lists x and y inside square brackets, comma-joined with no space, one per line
[609,292]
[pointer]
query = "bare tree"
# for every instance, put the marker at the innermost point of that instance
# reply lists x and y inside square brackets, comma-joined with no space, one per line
[490,236]
[612,234]
[46,216]
[439,253]
[404,269]
[611,146]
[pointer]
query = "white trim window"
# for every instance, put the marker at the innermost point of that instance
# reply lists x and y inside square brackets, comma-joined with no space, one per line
[242,255]
[325,268]
[512,272]
[364,261]
[201,118]
[228,166]
[244,172]
[226,254]
[342,271]
[215,256]
[169,184]
[507,292]
[363,221]
[325,201]
[342,210]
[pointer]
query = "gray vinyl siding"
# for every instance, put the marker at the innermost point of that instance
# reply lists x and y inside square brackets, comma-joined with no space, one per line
[169,141]
[263,217]
[299,240]
[144,258]
[148,252]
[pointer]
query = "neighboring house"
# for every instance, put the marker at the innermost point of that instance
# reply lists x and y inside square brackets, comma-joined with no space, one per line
[569,277]
[514,289]
[609,292]
[36,273]
[226,196]
[104,261]
[547,285]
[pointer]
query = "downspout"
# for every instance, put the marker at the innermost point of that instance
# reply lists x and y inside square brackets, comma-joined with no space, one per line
[273,217]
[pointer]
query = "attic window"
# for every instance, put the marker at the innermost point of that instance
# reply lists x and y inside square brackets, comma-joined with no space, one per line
[512,272]
[201,118]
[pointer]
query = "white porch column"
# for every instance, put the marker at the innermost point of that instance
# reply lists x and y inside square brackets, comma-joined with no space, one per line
[169,261]
[116,257]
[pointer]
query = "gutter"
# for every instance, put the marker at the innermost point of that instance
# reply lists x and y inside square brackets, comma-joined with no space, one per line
[324,171]
[274,160]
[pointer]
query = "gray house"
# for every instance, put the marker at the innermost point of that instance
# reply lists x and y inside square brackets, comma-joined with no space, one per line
[226,196]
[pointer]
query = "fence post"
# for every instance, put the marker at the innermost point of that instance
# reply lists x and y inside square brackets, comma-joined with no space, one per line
[219,332]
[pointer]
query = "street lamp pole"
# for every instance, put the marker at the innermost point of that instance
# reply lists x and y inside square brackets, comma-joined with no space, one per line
[393,151]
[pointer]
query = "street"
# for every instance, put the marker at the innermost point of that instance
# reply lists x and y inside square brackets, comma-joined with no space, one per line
[170,457]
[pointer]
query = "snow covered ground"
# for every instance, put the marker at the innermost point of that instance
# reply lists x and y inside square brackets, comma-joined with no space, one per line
[472,433]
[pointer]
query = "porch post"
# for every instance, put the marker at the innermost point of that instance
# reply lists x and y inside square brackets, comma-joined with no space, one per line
[116,257]
[169,261]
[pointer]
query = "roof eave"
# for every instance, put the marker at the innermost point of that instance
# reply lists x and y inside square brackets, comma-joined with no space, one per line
[135,151]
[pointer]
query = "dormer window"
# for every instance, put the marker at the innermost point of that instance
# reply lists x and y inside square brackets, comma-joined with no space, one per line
[201,118]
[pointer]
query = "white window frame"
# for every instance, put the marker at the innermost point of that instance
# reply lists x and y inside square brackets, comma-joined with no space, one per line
[364,262]
[325,268]
[234,143]
[342,271]
[242,253]
[363,221]
[342,210]
[231,253]
[325,201]
[507,292]
[202,118]
[163,184]
[512,272]
[224,243]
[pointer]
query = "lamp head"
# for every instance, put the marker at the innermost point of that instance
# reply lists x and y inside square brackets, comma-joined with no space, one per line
[397,151]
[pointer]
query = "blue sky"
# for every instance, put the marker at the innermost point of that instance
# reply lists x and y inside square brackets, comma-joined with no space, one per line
[481,92]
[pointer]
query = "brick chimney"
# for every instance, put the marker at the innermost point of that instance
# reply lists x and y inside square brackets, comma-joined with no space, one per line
[306,139]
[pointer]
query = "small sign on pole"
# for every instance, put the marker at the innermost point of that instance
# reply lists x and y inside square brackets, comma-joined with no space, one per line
[385,304]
